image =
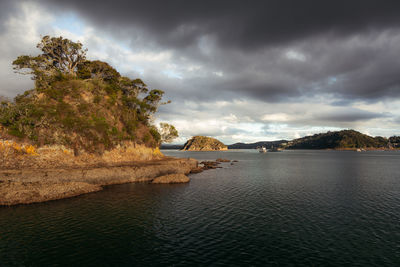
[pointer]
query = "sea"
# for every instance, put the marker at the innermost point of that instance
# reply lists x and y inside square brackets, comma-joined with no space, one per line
[290,208]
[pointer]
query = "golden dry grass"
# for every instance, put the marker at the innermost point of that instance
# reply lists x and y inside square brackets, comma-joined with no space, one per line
[18,155]
[12,148]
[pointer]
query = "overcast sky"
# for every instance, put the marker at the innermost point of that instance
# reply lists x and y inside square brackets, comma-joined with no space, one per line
[240,71]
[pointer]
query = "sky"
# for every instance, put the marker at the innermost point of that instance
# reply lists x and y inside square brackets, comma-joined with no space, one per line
[239,71]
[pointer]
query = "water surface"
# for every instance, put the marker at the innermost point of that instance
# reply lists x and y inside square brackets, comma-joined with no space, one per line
[299,208]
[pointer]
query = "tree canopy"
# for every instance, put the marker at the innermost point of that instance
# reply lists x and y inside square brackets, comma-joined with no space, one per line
[168,132]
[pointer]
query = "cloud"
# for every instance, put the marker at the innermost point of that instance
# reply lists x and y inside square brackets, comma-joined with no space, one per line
[350,115]
[259,71]
[235,23]
[236,50]
[21,29]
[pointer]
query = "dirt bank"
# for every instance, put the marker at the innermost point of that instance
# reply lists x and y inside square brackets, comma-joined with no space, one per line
[30,185]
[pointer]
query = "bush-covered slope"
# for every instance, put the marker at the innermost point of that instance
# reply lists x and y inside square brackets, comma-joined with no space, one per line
[87,106]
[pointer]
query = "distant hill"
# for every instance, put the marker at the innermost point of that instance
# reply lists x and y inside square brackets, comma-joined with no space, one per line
[203,143]
[267,144]
[345,139]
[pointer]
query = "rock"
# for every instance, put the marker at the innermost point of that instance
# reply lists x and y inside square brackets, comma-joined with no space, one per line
[197,170]
[206,162]
[14,193]
[210,165]
[30,185]
[171,179]
[203,143]
[222,160]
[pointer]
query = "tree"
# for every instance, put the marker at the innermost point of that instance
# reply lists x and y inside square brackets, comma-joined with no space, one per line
[62,54]
[168,132]
[59,56]
[99,70]
[4,99]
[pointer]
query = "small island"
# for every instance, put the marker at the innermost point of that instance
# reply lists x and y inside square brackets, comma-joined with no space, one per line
[204,143]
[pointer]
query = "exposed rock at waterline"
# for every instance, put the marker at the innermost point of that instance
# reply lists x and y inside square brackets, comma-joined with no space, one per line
[171,179]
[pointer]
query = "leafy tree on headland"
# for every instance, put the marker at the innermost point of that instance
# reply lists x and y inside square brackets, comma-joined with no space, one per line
[83,104]
[168,132]
[59,57]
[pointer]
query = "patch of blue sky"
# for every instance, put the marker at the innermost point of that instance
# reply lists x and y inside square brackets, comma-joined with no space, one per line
[332,80]
[173,74]
[70,22]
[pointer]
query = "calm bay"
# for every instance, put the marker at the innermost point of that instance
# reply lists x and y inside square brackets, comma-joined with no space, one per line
[300,208]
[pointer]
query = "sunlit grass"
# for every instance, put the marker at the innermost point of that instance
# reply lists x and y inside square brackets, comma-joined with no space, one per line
[10,148]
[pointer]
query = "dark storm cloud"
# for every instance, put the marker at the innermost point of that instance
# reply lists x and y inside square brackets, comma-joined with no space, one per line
[350,115]
[344,49]
[236,22]
[7,8]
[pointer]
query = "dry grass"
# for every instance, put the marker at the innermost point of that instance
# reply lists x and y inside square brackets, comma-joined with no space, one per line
[11,148]
[17,155]
[131,152]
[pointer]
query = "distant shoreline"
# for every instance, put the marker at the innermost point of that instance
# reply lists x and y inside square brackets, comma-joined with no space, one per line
[330,149]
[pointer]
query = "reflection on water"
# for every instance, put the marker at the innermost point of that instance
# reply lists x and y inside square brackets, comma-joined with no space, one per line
[308,208]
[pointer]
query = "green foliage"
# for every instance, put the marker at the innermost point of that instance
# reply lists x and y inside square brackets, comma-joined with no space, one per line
[395,141]
[168,133]
[97,70]
[85,105]
[346,139]
[156,135]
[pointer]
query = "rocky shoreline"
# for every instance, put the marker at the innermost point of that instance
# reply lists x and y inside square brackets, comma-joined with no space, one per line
[30,185]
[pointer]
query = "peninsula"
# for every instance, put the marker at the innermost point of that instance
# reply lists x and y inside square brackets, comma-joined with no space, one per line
[82,126]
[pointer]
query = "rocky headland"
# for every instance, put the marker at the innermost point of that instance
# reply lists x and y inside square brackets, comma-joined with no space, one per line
[203,143]
[28,175]
[83,126]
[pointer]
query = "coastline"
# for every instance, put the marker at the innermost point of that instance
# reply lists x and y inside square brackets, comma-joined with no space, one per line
[32,185]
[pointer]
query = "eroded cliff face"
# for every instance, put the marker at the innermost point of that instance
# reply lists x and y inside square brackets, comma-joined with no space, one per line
[203,143]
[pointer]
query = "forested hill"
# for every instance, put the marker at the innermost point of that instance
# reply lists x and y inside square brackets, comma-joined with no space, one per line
[345,139]
[81,104]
